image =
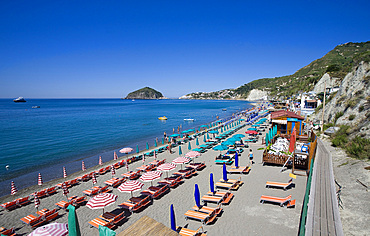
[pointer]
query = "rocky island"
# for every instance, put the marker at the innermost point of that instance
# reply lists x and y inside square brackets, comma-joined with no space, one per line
[145,93]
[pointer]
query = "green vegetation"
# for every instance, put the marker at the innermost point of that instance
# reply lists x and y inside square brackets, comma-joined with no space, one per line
[326,126]
[361,108]
[337,116]
[351,117]
[144,93]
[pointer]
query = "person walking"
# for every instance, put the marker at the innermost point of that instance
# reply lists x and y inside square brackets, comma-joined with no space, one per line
[251,156]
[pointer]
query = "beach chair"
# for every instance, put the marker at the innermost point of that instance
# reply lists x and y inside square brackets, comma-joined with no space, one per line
[197,166]
[189,232]
[73,182]
[239,170]
[78,201]
[227,196]
[112,218]
[51,190]
[114,182]
[171,182]
[33,221]
[62,204]
[280,185]
[97,222]
[156,191]
[276,200]
[212,199]
[105,189]
[41,194]
[232,181]
[209,210]
[9,205]
[228,186]
[132,175]
[8,232]
[91,192]
[186,173]
[202,217]
[136,203]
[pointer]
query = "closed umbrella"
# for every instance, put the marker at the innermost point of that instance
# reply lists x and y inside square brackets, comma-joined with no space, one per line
[94,179]
[113,170]
[39,182]
[204,138]
[155,155]
[197,142]
[180,151]
[73,225]
[54,229]
[224,173]
[172,218]
[147,146]
[37,201]
[137,148]
[100,161]
[162,140]
[83,166]
[155,143]
[65,189]
[236,160]
[207,136]
[197,196]
[130,186]
[115,157]
[64,172]
[102,200]
[189,146]
[211,183]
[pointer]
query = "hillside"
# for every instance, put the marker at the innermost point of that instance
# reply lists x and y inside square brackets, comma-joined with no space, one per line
[145,93]
[337,63]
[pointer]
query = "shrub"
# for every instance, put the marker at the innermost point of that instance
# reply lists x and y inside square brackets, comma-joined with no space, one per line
[351,103]
[326,126]
[333,68]
[351,117]
[361,108]
[359,148]
[337,116]
[340,137]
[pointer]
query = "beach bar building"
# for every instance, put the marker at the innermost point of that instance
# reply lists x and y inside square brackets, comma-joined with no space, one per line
[286,121]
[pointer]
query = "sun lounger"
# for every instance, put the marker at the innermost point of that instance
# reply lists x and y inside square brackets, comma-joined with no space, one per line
[239,170]
[136,203]
[9,205]
[7,232]
[209,210]
[228,186]
[197,166]
[97,222]
[212,199]
[227,196]
[232,181]
[156,191]
[114,182]
[171,182]
[78,201]
[91,192]
[33,221]
[186,173]
[132,174]
[41,194]
[276,200]
[112,218]
[202,217]
[62,204]
[189,232]
[279,185]
[51,190]
[105,189]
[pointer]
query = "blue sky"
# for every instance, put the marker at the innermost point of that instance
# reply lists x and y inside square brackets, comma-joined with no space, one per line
[106,49]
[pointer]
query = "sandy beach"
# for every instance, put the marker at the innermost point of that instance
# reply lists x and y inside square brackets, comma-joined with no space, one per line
[243,216]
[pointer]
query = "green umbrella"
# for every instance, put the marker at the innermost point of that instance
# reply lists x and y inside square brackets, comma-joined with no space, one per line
[207,136]
[189,146]
[105,231]
[162,140]
[147,146]
[204,138]
[155,143]
[73,226]
[137,148]
[197,142]
[180,151]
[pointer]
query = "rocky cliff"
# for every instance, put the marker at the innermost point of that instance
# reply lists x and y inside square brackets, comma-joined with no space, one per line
[145,93]
[350,104]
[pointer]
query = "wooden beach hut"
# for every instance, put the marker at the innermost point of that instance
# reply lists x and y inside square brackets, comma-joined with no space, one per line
[286,121]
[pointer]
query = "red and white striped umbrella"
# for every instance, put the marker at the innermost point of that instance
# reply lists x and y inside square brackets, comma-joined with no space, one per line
[54,229]
[100,161]
[83,166]
[37,201]
[14,189]
[130,186]
[102,200]
[94,179]
[166,167]
[64,172]
[65,189]
[155,155]
[126,150]
[143,159]
[39,182]
[113,170]
[180,160]
[115,157]
[192,154]
[150,176]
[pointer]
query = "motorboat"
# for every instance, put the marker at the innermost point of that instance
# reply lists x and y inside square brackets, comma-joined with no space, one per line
[162,118]
[20,99]
[35,106]
[189,119]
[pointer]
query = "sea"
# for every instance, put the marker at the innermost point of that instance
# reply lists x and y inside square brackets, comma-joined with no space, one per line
[64,132]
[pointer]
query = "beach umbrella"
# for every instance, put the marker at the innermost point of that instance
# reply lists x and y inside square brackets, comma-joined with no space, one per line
[180,160]
[213,132]
[73,225]
[94,179]
[192,154]
[197,196]
[166,167]
[102,200]
[115,157]
[147,146]
[227,143]
[172,218]
[174,135]
[155,143]
[207,136]
[65,189]
[113,170]
[150,176]
[239,135]
[100,161]
[83,166]
[236,160]
[155,155]
[197,142]
[39,182]
[105,231]
[64,172]
[37,201]
[220,148]
[224,173]
[54,229]
[211,183]
[251,132]
[204,138]
[252,129]
[180,151]
[189,146]
[162,140]
[130,186]
[266,140]
[137,148]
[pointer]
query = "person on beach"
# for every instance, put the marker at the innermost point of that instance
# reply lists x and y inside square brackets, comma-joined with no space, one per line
[169,147]
[251,156]
[173,130]
[165,135]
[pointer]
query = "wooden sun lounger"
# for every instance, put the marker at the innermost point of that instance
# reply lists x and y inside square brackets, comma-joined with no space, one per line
[228,186]
[114,182]
[187,173]
[93,191]
[51,190]
[209,210]
[202,217]
[232,181]
[277,200]
[33,221]
[97,222]
[212,199]
[7,232]
[197,166]
[9,205]
[171,182]
[112,218]
[62,204]
[41,194]
[136,203]
[239,170]
[227,196]
[156,191]
[132,174]
[279,185]
[189,232]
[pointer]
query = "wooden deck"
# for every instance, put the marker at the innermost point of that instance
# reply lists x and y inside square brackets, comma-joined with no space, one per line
[323,213]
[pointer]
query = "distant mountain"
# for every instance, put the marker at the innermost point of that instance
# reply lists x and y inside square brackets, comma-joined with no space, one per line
[145,93]
[337,63]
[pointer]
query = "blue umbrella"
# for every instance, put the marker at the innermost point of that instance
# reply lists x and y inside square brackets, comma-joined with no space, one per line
[197,196]
[220,148]
[207,136]
[227,143]
[173,219]
[197,142]
[189,146]
[137,148]
[162,140]
[236,160]
[239,135]
[204,138]
[147,146]
[213,132]
[224,173]
[211,183]
[180,151]
[155,143]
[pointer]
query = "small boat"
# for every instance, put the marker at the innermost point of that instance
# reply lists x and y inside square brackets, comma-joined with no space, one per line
[224,109]
[20,99]
[35,106]
[162,118]
[189,119]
